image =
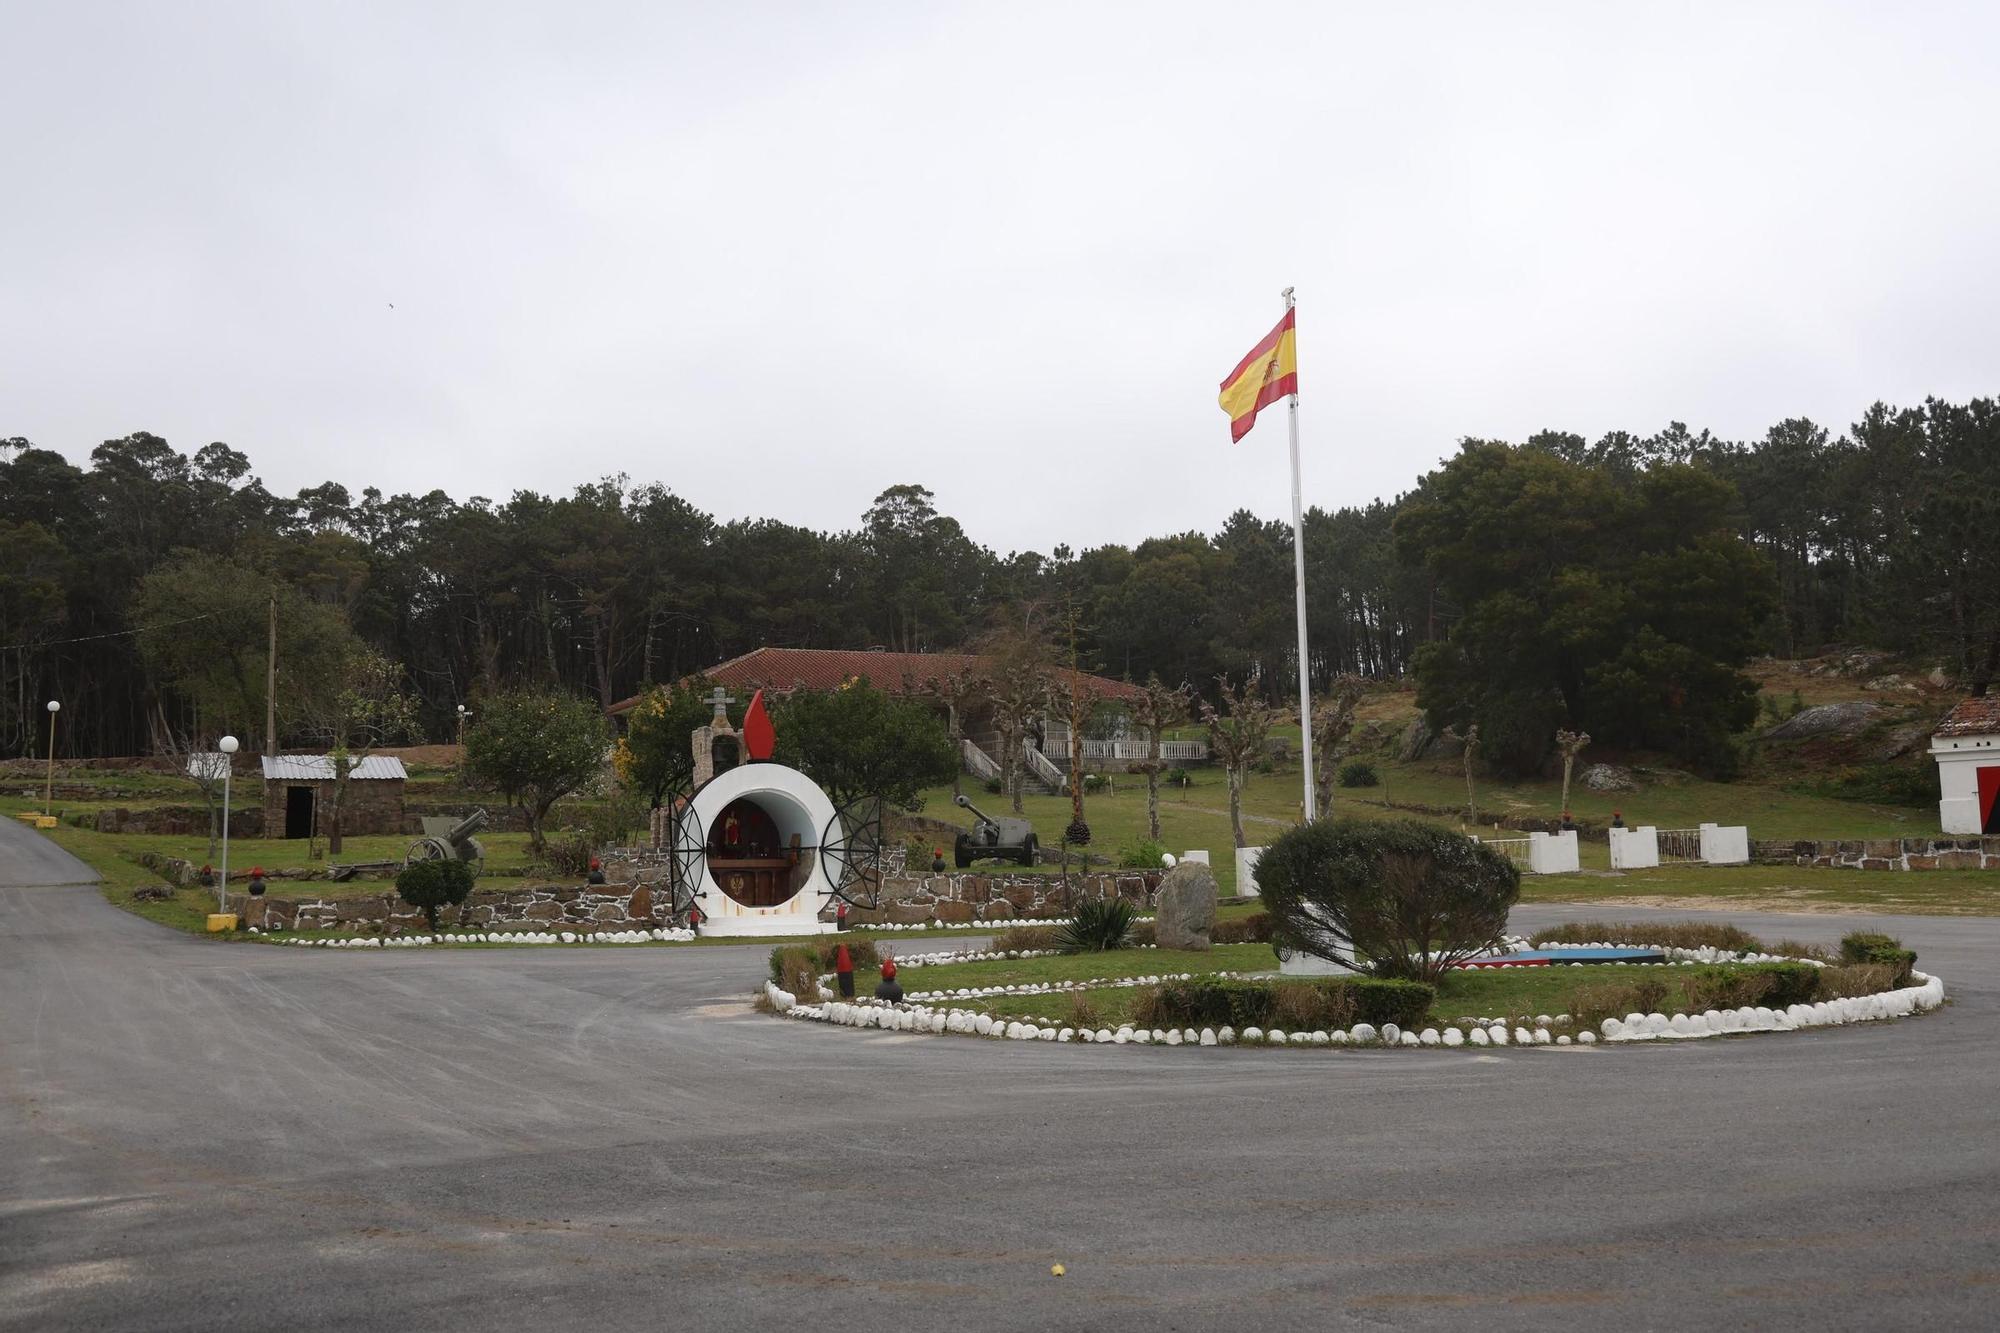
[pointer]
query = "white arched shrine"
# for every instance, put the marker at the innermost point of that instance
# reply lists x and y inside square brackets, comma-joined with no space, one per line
[761,869]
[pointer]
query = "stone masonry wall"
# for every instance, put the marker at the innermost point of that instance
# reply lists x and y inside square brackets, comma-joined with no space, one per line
[636,894]
[1939,853]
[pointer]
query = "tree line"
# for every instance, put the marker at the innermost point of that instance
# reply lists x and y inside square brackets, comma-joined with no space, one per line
[1607,584]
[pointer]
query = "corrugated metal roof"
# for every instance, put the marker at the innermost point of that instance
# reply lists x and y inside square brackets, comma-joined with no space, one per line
[1973,717]
[319,768]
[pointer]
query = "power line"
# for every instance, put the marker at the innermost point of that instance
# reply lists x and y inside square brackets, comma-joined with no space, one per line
[114,634]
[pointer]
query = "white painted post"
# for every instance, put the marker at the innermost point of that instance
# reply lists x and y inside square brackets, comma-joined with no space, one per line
[1246,871]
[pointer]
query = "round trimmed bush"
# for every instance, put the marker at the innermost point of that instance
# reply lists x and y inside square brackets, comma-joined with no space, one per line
[1397,897]
[430,885]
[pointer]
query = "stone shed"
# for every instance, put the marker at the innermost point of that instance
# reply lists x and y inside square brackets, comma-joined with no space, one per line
[298,796]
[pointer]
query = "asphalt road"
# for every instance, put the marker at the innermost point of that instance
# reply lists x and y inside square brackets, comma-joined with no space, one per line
[205,1135]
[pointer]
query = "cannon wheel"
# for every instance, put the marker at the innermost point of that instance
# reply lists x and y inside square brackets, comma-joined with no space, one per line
[1029,849]
[426,849]
[961,852]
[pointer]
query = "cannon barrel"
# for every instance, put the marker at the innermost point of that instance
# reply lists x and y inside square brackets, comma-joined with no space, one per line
[977,813]
[467,826]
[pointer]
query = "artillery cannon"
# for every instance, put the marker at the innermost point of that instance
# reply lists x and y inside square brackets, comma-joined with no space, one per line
[448,839]
[994,839]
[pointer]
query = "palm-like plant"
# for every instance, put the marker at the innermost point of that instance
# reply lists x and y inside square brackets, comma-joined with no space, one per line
[1097,926]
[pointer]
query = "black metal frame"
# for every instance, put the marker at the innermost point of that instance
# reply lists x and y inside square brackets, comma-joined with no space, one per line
[852,844]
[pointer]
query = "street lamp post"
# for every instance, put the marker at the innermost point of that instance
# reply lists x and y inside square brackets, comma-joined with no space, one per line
[462,715]
[228,747]
[49,790]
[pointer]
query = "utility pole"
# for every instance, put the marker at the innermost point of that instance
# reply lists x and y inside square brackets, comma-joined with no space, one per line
[271,684]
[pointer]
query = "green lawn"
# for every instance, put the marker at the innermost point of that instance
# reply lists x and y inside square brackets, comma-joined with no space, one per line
[1197,816]
[1780,888]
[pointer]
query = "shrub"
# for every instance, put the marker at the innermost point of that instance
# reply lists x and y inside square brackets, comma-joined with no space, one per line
[1320,1003]
[819,955]
[1098,925]
[1660,934]
[1785,984]
[568,853]
[1843,983]
[1412,897]
[1026,937]
[1144,933]
[1083,1012]
[1863,946]
[796,969]
[1252,929]
[1178,777]
[1797,949]
[994,787]
[1358,773]
[1144,854]
[434,884]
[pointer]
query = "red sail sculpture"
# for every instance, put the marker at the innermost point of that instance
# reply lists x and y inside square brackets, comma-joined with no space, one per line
[759,736]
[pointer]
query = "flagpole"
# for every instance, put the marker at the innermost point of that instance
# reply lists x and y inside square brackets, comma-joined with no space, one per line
[1299,572]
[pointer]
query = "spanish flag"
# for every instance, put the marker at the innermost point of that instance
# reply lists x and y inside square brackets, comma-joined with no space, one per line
[1269,373]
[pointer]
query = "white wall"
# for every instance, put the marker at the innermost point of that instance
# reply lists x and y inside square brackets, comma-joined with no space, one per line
[1725,846]
[1959,759]
[1635,848]
[1553,853]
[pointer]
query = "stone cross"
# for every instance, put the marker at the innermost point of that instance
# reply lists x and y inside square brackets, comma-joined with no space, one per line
[722,699]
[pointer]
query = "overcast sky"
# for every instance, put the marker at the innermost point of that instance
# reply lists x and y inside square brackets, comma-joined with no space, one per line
[780,257]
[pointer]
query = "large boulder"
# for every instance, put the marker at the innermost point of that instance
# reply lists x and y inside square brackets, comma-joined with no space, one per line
[1608,777]
[1842,720]
[1185,907]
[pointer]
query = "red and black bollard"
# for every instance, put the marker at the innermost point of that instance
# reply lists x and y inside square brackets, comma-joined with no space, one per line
[840,916]
[890,989]
[843,968]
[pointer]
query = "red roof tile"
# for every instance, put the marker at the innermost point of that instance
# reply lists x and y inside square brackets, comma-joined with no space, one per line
[782,670]
[1972,717]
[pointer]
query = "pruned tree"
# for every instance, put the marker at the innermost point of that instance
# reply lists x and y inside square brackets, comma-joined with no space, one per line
[363,706]
[1333,723]
[1156,711]
[202,768]
[1019,676]
[1569,744]
[1236,735]
[1471,748]
[959,691]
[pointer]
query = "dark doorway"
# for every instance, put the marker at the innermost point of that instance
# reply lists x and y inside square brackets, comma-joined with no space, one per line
[298,812]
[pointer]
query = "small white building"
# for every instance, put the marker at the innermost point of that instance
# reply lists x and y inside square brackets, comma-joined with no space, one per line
[1966,746]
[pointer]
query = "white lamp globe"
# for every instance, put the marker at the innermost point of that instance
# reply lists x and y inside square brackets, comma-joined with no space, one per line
[227,745]
[55,705]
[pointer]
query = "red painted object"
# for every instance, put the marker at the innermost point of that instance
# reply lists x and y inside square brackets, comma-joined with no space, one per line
[759,736]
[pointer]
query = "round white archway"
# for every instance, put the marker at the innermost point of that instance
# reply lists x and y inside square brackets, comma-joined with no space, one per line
[761,871]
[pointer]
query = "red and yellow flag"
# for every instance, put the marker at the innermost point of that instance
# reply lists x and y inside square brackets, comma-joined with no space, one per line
[1269,373]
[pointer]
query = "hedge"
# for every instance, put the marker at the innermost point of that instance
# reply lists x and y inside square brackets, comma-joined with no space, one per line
[1215,1001]
[1885,950]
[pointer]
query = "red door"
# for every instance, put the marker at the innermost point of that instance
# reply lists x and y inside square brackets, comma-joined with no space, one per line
[1989,798]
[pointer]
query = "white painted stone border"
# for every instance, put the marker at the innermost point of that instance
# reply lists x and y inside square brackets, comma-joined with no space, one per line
[918,1017]
[494,937]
